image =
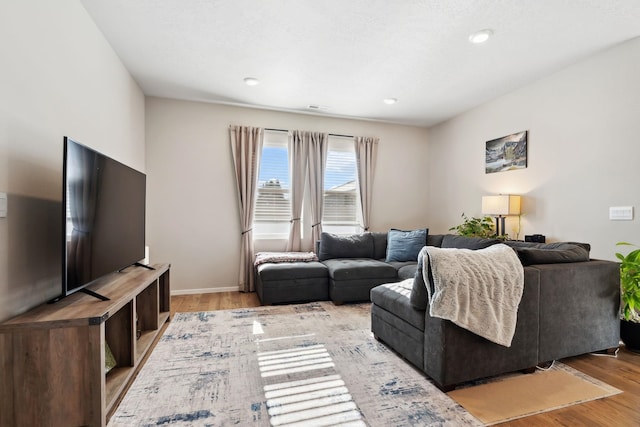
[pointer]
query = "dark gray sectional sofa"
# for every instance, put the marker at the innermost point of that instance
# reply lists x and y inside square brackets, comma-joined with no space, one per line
[348,268]
[569,304]
[569,307]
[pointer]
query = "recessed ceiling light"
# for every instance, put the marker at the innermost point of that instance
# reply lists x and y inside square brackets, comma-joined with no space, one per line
[390,101]
[251,81]
[480,36]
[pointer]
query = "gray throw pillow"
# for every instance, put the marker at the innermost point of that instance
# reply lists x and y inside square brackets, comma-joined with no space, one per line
[556,254]
[435,240]
[563,245]
[354,246]
[379,244]
[405,245]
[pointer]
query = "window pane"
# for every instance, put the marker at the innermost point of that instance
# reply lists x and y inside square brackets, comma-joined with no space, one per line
[273,202]
[340,188]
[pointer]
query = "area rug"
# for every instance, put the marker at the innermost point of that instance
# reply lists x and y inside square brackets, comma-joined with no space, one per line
[311,364]
[518,396]
[308,364]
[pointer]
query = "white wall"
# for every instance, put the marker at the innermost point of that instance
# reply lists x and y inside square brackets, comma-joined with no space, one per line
[59,77]
[193,219]
[584,150]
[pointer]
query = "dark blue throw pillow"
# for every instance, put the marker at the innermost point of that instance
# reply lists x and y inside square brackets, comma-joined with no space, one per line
[405,245]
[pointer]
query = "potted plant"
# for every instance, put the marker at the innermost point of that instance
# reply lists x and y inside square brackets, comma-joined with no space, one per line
[630,297]
[476,227]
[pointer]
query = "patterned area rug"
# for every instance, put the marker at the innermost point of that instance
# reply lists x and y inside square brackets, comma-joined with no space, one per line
[313,364]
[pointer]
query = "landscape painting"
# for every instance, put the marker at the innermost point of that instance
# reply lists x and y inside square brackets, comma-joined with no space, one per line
[506,153]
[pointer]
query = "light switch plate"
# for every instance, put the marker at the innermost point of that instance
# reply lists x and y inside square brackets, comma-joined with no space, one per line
[3,205]
[621,213]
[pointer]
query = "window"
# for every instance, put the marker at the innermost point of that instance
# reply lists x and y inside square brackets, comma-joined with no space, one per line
[340,188]
[273,199]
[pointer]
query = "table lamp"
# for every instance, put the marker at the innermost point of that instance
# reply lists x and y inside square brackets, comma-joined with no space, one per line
[501,206]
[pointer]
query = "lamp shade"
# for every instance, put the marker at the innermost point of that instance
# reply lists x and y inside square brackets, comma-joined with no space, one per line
[501,205]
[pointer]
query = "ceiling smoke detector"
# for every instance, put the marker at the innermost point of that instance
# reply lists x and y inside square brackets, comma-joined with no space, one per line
[390,101]
[251,81]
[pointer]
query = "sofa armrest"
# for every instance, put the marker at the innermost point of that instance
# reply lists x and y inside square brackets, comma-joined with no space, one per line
[579,306]
[453,355]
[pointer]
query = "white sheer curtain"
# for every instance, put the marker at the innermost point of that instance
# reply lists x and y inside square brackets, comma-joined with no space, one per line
[298,148]
[366,152]
[246,147]
[317,161]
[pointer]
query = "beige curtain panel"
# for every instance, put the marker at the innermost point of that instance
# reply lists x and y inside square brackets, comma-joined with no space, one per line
[366,152]
[298,149]
[318,148]
[246,147]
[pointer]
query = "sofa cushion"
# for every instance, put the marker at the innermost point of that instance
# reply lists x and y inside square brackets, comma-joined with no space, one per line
[419,297]
[522,244]
[405,245]
[464,242]
[407,271]
[394,297]
[559,253]
[354,246]
[562,245]
[554,245]
[379,244]
[435,240]
[341,269]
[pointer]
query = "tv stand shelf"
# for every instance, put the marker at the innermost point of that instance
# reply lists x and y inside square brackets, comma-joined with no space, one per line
[52,358]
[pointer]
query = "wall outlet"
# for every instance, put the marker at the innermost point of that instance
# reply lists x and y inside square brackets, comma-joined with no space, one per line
[621,213]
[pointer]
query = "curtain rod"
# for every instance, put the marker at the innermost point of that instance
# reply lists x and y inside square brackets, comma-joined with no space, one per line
[331,134]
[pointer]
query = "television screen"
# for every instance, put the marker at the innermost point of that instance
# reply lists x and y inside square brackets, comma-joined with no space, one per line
[104,216]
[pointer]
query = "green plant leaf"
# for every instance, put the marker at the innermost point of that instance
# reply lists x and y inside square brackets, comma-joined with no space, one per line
[629,281]
[475,227]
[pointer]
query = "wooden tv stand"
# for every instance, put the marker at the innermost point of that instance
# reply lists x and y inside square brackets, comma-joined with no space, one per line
[52,358]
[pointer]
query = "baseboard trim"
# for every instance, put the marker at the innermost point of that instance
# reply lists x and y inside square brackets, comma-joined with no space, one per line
[204,291]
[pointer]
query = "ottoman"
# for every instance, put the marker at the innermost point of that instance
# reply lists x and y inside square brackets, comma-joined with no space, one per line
[288,282]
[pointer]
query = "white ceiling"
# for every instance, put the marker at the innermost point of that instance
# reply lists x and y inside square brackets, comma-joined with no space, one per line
[348,55]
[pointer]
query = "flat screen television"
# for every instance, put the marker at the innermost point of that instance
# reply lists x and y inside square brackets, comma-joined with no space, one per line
[104,216]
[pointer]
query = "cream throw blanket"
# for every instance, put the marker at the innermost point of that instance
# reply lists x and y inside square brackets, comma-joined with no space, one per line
[479,290]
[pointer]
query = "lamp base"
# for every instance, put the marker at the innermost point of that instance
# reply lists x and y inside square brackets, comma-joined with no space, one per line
[500,225]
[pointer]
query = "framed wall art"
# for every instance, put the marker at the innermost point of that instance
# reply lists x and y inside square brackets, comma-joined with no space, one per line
[506,153]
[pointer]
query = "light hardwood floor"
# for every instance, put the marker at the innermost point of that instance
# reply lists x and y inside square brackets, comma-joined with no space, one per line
[622,372]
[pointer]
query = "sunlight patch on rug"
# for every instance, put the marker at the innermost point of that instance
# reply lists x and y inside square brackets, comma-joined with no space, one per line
[294,360]
[323,400]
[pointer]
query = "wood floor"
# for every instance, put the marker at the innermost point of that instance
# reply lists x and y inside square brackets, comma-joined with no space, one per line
[622,372]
